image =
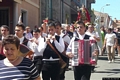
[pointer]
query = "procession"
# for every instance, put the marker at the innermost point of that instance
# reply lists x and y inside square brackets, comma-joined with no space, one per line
[50,50]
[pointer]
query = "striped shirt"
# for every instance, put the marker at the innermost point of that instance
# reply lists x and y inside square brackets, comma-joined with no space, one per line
[24,71]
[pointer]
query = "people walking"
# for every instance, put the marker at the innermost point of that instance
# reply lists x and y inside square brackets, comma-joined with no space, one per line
[66,39]
[94,36]
[111,43]
[4,33]
[52,46]
[38,55]
[80,70]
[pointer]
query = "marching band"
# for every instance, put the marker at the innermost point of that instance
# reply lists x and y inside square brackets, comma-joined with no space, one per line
[48,51]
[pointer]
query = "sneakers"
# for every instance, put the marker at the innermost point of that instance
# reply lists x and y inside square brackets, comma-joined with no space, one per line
[113,60]
[109,61]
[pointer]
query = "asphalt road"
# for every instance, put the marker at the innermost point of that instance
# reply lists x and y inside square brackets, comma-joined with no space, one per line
[102,70]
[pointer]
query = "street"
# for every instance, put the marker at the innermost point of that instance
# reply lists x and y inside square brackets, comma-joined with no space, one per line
[103,69]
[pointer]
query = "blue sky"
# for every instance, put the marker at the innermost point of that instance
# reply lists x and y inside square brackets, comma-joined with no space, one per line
[113,10]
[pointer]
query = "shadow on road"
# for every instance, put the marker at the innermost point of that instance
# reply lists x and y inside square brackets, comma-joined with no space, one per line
[102,58]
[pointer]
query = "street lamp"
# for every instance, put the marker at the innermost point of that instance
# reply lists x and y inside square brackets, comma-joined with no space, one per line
[101,12]
[99,25]
[104,6]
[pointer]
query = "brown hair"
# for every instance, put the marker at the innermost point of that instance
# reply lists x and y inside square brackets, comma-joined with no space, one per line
[11,39]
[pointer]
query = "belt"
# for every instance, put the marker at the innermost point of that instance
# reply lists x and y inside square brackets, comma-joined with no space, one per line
[37,57]
[51,62]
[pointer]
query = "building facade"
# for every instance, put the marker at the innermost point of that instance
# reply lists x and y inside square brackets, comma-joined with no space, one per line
[56,10]
[12,9]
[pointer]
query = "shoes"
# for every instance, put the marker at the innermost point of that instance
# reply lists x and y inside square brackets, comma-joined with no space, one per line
[109,61]
[92,71]
[113,60]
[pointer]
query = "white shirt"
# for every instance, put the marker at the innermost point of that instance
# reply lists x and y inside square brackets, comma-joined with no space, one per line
[66,38]
[92,34]
[44,34]
[2,37]
[59,45]
[110,39]
[35,48]
[28,44]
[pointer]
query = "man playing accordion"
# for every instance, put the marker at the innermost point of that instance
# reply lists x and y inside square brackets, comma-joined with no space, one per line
[83,58]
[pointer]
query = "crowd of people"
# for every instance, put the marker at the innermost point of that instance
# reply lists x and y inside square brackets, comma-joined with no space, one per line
[51,44]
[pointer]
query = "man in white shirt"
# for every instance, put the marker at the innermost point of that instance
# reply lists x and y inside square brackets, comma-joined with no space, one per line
[38,55]
[111,43]
[19,30]
[27,33]
[50,57]
[43,34]
[80,70]
[4,33]
[66,39]
[94,36]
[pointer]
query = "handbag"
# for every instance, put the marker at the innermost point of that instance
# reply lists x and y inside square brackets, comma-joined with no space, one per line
[62,63]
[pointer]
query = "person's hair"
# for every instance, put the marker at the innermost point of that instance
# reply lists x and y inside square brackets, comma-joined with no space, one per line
[57,23]
[80,22]
[11,39]
[101,27]
[36,30]
[5,26]
[51,24]
[110,29]
[67,25]
[118,29]
[21,25]
[27,27]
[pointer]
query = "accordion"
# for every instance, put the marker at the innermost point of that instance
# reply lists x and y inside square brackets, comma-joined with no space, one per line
[83,52]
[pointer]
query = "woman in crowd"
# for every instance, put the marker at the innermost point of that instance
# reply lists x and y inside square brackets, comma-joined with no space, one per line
[14,67]
[111,43]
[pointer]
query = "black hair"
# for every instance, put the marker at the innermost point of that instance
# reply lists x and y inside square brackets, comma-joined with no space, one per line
[57,23]
[110,29]
[5,26]
[36,30]
[80,22]
[21,25]
[51,24]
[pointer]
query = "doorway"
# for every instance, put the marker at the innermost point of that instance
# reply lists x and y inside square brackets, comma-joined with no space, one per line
[4,17]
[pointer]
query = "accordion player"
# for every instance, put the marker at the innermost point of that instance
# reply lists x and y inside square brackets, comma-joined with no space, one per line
[84,52]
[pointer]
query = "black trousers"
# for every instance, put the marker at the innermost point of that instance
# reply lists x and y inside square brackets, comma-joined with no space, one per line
[38,63]
[62,72]
[62,75]
[51,70]
[82,72]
